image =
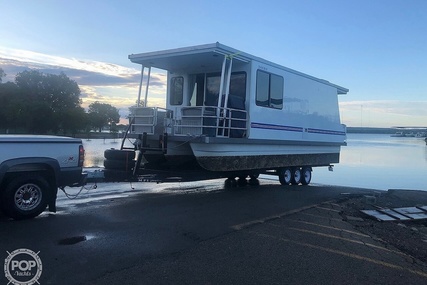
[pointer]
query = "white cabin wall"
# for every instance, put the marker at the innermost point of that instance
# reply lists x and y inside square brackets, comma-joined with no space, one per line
[307,104]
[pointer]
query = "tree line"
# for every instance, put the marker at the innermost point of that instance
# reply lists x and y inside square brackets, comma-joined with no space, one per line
[39,103]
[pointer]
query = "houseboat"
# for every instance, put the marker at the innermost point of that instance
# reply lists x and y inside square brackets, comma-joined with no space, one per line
[232,114]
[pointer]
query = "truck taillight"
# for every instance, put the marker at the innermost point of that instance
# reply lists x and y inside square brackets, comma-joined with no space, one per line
[81,155]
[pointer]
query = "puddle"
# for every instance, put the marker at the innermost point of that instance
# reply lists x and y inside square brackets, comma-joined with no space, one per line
[73,240]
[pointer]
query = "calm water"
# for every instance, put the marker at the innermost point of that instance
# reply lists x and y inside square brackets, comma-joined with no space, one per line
[369,160]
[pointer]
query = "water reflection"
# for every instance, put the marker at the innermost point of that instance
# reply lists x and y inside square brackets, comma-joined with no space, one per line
[94,150]
[370,161]
[379,162]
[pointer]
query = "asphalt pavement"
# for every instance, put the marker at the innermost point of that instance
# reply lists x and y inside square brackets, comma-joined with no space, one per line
[202,233]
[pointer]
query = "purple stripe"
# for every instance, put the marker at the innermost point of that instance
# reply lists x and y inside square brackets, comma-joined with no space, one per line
[276,127]
[295,129]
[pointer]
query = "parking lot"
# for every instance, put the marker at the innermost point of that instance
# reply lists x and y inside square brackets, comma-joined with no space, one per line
[201,233]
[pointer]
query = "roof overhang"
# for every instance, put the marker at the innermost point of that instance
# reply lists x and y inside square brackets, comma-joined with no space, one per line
[207,58]
[210,56]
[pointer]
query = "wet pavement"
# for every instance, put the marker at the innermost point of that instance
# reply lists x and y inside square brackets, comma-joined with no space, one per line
[201,233]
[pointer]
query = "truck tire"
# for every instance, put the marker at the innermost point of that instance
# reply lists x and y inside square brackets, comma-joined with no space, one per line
[25,196]
[117,154]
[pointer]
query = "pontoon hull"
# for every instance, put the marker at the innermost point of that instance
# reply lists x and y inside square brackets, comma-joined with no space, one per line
[224,155]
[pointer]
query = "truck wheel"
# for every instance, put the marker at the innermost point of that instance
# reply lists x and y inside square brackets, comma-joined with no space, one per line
[296,176]
[25,197]
[306,176]
[285,176]
[117,154]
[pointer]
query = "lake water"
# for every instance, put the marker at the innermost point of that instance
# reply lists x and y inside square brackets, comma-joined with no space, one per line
[368,161]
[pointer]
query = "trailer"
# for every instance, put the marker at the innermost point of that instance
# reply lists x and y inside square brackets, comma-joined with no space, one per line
[230,114]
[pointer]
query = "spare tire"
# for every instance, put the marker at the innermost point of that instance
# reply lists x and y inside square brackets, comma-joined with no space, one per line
[117,154]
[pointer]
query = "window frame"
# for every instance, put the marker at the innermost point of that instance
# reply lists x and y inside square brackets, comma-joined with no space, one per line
[270,91]
[173,98]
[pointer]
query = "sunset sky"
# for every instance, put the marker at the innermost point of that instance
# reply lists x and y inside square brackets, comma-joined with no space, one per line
[375,48]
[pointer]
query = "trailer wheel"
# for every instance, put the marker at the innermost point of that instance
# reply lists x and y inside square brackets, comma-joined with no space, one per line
[25,196]
[230,183]
[254,176]
[285,176]
[242,181]
[306,175]
[117,154]
[296,176]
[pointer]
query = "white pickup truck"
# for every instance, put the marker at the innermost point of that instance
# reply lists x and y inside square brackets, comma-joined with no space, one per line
[32,168]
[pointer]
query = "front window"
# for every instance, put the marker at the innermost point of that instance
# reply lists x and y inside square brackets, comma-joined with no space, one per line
[237,87]
[177,90]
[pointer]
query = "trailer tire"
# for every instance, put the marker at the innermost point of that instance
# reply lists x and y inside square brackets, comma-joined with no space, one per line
[117,154]
[306,176]
[242,181]
[285,176]
[119,164]
[254,176]
[296,176]
[25,196]
[230,183]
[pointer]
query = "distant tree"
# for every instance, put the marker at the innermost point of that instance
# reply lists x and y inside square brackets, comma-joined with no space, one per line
[50,99]
[74,120]
[102,114]
[11,106]
[2,74]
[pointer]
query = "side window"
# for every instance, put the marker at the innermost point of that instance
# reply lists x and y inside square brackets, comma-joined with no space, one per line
[262,89]
[177,90]
[276,91]
[269,90]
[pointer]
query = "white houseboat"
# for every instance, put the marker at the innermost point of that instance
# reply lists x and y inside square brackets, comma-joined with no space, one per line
[236,115]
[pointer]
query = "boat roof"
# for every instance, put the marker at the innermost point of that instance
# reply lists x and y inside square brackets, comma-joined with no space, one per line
[212,55]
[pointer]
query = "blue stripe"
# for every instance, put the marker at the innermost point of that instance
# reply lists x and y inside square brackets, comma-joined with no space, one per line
[295,129]
[276,127]
[325,132]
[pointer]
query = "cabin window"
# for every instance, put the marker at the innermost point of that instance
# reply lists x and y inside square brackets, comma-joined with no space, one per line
[177,90]
[237,87]
[269,90]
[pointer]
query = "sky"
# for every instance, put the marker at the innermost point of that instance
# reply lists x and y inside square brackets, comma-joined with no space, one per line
[375,48]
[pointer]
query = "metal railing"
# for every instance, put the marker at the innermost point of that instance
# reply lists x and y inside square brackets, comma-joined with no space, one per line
[150,120]
[212,121]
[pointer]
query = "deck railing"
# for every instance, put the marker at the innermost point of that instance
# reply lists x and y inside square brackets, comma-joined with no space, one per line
[212,122]
[195,121]
[148,120]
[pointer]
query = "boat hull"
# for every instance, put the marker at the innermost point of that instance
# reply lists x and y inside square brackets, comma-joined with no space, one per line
[227,155]
[238,157]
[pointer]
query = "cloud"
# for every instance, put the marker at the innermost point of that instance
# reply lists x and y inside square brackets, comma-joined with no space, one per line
[98,81]
[34,58]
